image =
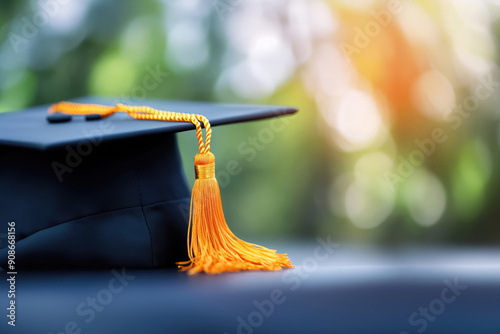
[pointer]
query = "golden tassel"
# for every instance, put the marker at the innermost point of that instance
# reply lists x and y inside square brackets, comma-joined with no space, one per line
[212,247]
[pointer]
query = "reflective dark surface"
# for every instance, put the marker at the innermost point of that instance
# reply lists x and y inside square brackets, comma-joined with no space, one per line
[334,289]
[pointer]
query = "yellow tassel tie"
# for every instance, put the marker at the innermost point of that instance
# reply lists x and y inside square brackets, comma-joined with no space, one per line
[212,247]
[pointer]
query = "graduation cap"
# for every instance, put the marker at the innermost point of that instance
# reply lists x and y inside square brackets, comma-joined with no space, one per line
[92,184]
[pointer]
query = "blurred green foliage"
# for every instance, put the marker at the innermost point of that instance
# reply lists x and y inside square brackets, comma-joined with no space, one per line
[289,186]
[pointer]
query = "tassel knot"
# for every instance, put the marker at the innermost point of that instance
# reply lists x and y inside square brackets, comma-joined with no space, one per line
[204,166]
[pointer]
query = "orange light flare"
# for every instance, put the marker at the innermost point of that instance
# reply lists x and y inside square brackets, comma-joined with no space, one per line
[386,62]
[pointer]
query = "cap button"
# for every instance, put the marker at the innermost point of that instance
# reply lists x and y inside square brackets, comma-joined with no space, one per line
[58,118]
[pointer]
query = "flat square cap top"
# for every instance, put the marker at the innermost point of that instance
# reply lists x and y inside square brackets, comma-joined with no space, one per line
[29,128]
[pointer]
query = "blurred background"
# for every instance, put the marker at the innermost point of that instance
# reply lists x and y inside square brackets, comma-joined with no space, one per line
[397,138]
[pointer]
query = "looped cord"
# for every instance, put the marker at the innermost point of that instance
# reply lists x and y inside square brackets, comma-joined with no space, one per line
[142,113]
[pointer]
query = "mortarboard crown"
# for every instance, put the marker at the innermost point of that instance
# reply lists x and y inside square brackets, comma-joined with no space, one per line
[107,189]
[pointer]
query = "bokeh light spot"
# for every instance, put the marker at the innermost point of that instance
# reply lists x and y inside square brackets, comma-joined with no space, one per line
[470,177]
[368,202]
[425,198]
[434,95]
[357,118]
[187,44]
[113,75]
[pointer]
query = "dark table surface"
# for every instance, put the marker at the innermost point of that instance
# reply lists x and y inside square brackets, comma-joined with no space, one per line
[334,289]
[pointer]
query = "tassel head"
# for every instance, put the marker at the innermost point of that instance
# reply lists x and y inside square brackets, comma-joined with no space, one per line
[204,166]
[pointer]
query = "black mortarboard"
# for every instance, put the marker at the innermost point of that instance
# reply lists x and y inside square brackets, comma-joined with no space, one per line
[96,191]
